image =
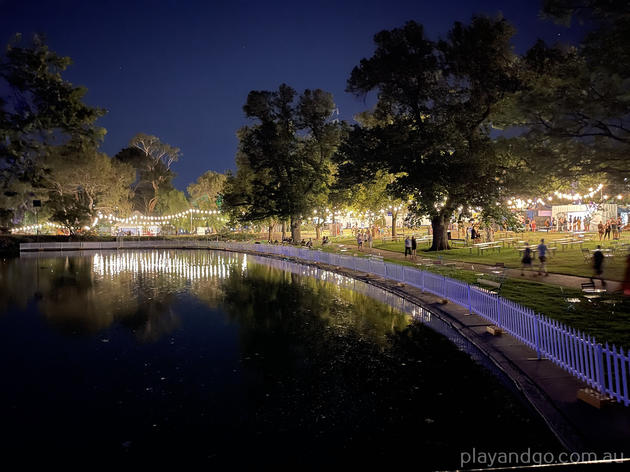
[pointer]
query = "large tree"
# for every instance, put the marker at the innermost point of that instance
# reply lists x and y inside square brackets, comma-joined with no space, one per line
[38,110]
[152,161]
[284,157]
[154,168]
[436,101]
[79,170]
[574,104]
[364,184]
[207,190]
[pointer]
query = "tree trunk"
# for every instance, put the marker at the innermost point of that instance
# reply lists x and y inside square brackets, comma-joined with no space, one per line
[394,218]
[284,229]
[440,238]
[270,232]
[296,229]
[151,205]
[317,232]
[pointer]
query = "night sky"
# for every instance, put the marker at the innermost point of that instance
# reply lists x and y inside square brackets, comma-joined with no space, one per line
[181,70]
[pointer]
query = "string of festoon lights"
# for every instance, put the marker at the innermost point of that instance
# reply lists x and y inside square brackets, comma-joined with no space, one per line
[158,219]
[134,219]
[327,214]
[519,203]
[29,228]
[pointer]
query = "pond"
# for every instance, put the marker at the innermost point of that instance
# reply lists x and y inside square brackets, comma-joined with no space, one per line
[233,359]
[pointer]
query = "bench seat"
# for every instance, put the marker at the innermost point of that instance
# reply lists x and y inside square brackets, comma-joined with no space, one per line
[490,285]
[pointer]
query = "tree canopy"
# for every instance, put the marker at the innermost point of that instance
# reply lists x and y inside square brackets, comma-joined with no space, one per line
[283,164]
[574,104]
[436,101]
[39,109]
[207,189]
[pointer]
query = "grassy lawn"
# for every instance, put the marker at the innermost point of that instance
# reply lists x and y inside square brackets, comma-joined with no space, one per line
[568,261]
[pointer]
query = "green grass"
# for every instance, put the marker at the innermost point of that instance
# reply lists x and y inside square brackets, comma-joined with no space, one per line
[569,261]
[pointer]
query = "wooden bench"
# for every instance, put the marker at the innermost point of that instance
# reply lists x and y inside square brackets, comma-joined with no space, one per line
[590,292]
[509,242]
[490,285]
[485,246]
[490,246]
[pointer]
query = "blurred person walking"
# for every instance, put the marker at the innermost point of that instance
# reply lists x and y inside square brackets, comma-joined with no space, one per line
[542,257]
[598,265]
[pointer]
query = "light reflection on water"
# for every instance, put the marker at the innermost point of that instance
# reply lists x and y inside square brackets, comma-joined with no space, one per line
[145,352]
[192,266]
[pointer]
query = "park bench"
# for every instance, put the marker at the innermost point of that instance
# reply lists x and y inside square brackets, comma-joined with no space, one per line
[490,285]
[507,241]
[589,291]
[484,247]
[376,258]
[586,254]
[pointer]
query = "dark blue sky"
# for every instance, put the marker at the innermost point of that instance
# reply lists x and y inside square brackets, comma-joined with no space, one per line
[181,70]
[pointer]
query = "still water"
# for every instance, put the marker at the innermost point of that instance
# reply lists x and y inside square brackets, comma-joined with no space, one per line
[227,358]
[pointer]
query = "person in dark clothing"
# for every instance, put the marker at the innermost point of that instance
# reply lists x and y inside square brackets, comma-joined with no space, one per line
[414,246]
[598,263]
[527,259]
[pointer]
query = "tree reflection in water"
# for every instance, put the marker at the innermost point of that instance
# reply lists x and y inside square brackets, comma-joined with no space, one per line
[233,355]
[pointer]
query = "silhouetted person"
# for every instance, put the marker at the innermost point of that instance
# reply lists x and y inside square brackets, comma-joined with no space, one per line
[542,257]
[598,265]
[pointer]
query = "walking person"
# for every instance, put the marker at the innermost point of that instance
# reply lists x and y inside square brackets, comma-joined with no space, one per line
[360,241]
[600,230]
[527,259]
[598,265]
[369,239]
[407,247]
[542,257]
[607,229]
[414,246]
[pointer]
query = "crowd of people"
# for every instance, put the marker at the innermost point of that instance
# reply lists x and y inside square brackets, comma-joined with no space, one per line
[614,226]
[576,224]
[364,238]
